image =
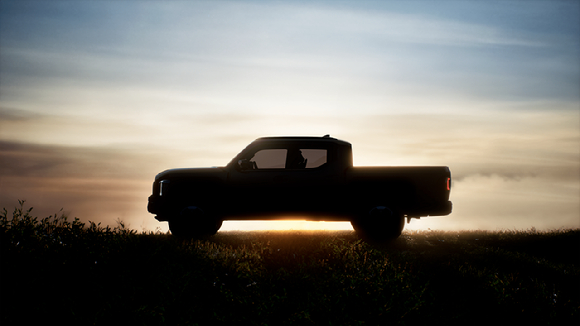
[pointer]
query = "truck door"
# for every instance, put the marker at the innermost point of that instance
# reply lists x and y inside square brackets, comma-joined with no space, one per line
[310,182]
[256,181]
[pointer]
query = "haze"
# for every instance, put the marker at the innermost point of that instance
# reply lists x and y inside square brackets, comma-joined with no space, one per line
[97,97]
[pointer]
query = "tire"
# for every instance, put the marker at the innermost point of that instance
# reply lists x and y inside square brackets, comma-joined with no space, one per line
[194,222]
[379,223]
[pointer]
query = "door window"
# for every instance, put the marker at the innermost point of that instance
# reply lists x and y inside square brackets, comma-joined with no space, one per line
[270,159]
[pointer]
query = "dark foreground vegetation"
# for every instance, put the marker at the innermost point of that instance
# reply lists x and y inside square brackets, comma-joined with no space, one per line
[55,271]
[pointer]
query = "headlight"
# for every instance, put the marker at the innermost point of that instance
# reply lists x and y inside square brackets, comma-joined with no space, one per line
[163,187]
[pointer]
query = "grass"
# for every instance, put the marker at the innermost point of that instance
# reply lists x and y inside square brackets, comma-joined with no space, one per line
[55,271]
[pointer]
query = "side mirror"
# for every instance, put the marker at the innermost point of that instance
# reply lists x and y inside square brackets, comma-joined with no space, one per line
[245,164]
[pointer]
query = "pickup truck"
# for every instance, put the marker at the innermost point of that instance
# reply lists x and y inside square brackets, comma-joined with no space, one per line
[310,177]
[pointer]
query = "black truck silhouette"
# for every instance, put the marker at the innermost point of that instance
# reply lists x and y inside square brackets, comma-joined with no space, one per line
[312,177]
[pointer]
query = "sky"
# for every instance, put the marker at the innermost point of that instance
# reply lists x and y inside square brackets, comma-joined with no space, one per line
[97,97]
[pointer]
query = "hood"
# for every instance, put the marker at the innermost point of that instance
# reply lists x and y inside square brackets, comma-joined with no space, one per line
[202,173]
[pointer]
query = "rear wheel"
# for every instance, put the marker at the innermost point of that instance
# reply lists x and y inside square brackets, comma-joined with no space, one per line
[194,222]
[380,223]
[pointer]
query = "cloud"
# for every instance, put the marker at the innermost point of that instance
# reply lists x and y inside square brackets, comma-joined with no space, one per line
[54,161]
[493,202]
[181,56]
[14,115]
[98,184]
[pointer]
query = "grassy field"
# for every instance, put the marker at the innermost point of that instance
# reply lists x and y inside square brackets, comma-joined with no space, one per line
[55,271]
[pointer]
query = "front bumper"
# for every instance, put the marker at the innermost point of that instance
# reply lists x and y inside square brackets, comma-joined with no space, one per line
[155,205]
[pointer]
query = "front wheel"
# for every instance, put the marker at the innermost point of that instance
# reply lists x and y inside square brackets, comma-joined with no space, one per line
[194,222]
[380,223]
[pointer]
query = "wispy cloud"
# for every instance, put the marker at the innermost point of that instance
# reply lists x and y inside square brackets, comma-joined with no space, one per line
[334,57]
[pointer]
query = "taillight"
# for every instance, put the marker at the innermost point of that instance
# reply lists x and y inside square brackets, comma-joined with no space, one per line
[448,184]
